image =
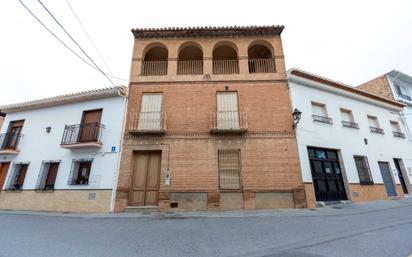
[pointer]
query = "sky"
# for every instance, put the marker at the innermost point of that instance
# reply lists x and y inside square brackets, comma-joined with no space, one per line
[348,41]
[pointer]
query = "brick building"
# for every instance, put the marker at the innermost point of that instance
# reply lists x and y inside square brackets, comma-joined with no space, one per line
[209,123]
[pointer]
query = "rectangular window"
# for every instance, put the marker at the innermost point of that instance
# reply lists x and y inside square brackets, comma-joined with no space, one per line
[396,129]
[47,175]
[374,125]
[11,139]
[402,92]
[227,110]
[362,165]
[347,119]
[17,176]
[320,114]
[80,172]
[150,116]
[229,169]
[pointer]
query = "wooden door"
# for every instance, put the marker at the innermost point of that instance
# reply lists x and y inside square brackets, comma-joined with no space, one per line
[90,125]
[4,167]
[51,176]
[146,177]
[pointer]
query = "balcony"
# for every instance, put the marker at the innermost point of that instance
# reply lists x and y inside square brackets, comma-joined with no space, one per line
[225,66]
[403,96]
[349,124]
[147,122]
[9,143]
[261,66]
[190,67]
[229,122]
[398,134]
[86,135]
[376,130]
[154,68]
[322,119]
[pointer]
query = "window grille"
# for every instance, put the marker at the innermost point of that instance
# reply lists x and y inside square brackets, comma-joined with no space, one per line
[229,169]
[80,172]
[365,176]
[17,176]
[47,175]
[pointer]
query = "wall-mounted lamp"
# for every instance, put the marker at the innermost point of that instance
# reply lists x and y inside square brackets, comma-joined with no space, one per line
[48,129]
[365,140]
[226,88]
[296,114]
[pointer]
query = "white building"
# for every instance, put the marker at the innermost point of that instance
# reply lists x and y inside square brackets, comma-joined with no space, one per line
[352,144]
[62,153]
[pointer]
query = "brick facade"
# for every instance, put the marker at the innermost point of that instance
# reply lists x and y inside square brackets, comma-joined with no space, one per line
[379,86]
[270,169]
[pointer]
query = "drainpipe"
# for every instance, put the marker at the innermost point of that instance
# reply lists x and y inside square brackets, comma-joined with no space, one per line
[116,177]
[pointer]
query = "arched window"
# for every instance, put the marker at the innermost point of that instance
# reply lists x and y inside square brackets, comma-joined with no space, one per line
[225,59]
[155,60]
[190,59]
[261,58]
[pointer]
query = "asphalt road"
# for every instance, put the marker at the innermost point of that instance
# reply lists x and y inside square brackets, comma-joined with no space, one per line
[373,229]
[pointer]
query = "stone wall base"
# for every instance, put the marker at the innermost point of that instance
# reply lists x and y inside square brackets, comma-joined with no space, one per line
[57,201]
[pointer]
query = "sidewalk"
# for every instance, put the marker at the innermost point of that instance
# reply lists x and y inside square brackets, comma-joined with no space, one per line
[330,210]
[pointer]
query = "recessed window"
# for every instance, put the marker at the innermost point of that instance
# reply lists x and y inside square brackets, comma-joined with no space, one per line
[80,172]
[362,165]
[320,114]
[402,92]
[347,119]
[396,129]
[229,169]
[17,176]
[151,116]
[374,125]
[47,175]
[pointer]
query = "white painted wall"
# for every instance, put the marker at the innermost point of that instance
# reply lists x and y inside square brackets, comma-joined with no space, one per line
[349,141]
[37,145]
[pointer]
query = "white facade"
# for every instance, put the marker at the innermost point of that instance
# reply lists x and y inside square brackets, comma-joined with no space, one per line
[38,145]
[348,141]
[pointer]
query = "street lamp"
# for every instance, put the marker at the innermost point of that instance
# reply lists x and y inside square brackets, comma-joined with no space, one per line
[296,114]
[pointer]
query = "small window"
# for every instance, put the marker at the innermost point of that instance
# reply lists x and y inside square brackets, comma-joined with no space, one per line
[229,169]
[80,172]
[402,92]
[362,164]
[319,109]
[347,115]
[227,116]
[17,176]
[373,121]
[47,175]
[395,126]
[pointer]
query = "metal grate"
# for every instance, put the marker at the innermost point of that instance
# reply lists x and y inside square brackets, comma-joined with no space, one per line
[47,175]
[349,124]
[80,172]
[376,130]
[229,169]
[398,134]
[80,133]
[322,119]
[17,176]
[261,65]
[10,141]
[362,165]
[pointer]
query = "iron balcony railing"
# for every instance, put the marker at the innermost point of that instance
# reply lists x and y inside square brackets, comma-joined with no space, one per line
[322,119]
[261,66]
[154,68]
[10,141]
[225,66]
[82,133]
[349,124]
[229,121]
[190,67]
[147,122]
[398,134]
[377,130]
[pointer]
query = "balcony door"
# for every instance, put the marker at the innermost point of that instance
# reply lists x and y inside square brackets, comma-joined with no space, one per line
[150,117]
[90,125]
[227,111]
[13,134]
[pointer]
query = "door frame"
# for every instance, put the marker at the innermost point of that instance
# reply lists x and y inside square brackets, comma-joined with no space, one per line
[391,176]
[132,174]
[404,174]
[345,181]
[6,173]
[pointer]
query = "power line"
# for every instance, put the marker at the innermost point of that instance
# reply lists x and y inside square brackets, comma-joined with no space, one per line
[74,41]
[61,41]
[88,36]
